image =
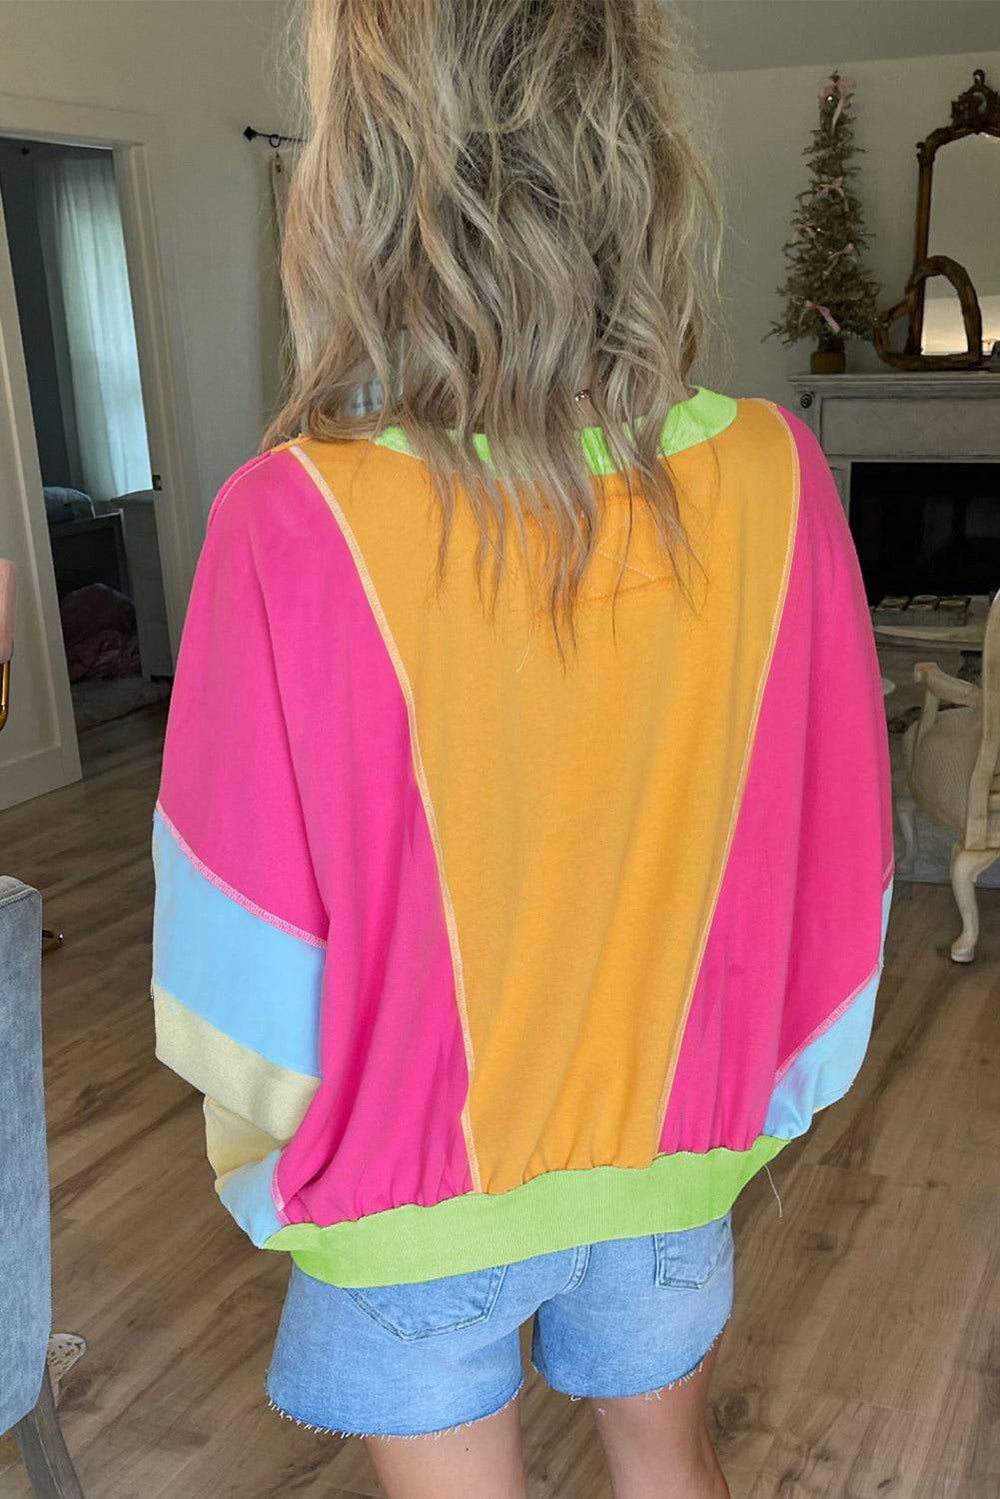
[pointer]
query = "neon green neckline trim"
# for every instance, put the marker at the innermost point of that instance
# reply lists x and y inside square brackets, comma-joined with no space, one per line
[701,417]
[555,1211]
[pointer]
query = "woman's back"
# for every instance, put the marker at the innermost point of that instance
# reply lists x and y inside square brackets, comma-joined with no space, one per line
[524,839]
[584,908]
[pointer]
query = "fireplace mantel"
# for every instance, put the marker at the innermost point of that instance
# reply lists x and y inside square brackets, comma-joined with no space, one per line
[901,416]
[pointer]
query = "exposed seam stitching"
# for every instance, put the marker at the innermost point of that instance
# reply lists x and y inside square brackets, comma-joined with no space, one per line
[830,1020]
[222,885]
[276,1197]
[164,997]
[827,1023]
[420,775]
[159,993]
[234,479]
[765,672]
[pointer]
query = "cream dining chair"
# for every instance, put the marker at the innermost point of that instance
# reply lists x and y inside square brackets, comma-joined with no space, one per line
[953,764]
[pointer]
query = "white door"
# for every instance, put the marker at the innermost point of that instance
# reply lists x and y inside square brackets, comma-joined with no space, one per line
[38,748]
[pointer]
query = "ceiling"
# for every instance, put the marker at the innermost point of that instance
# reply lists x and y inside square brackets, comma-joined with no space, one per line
[731,34]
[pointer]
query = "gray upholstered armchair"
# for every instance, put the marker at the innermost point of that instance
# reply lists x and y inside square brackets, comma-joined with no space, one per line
[26,1401]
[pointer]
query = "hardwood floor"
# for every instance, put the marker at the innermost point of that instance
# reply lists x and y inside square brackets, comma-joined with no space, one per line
[863,1358]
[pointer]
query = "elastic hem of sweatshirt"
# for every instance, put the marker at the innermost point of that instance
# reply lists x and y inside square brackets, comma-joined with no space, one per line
[558,1210]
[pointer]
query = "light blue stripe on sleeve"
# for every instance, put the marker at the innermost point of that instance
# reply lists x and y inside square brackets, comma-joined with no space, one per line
[827,1067]
[258,984]
[246,1193]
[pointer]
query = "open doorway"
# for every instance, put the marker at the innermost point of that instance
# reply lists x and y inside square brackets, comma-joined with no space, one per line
[67,251]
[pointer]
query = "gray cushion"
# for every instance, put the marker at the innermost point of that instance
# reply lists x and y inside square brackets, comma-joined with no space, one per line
[25,1308]
[67,504]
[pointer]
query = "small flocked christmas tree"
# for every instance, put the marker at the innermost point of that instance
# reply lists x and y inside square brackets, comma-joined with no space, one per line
[828,294]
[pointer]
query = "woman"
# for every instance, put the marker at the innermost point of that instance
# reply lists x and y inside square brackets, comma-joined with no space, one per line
[523,846]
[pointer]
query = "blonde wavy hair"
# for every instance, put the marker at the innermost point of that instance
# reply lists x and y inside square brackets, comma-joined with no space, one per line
[495,199]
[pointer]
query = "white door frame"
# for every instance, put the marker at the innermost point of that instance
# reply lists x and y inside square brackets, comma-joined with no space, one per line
[44,754]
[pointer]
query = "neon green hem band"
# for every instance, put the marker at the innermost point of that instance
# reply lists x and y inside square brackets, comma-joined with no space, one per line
[558,1210]
[703,416]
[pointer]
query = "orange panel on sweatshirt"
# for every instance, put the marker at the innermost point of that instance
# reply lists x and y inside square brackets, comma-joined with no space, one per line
[632,753]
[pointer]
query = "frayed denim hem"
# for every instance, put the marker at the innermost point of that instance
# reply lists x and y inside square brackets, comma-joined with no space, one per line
[396,1436]
[653,1394]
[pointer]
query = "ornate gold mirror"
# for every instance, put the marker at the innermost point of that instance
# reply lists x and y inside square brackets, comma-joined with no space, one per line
[952,300]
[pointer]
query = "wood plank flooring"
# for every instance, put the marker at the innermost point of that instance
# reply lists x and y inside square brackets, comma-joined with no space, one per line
[863,1358]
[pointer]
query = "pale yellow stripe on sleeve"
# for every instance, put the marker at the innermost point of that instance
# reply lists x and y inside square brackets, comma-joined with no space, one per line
[272,1098]
[232,1141]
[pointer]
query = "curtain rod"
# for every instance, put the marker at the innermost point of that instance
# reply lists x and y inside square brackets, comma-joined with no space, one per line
[272,137]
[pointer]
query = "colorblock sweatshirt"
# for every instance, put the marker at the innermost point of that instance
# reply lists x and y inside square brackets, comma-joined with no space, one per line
[477,951]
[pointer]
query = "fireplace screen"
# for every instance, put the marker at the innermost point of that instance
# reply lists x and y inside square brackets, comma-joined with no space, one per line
[926,528]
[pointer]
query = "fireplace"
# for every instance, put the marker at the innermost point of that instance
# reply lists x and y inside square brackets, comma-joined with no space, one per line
[931,528]
[916,457]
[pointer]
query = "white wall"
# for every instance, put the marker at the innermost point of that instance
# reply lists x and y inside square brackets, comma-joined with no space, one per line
[763,118]
[210,66]
[204,68]
[741,34]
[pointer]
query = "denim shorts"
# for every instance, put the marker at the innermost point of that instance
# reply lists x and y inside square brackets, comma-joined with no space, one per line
[623,1317]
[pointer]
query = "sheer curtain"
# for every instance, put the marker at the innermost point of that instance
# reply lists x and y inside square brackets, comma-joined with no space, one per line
[84,250]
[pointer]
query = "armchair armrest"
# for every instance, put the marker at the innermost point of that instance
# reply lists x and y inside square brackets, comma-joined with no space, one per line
[945,688]
[941,688]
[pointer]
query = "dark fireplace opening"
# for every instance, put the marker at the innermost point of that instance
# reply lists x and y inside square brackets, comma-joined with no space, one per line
[930,528]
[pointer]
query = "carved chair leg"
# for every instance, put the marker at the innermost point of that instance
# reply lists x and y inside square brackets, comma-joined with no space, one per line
[966,865]
[40,1439]
[906,814]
